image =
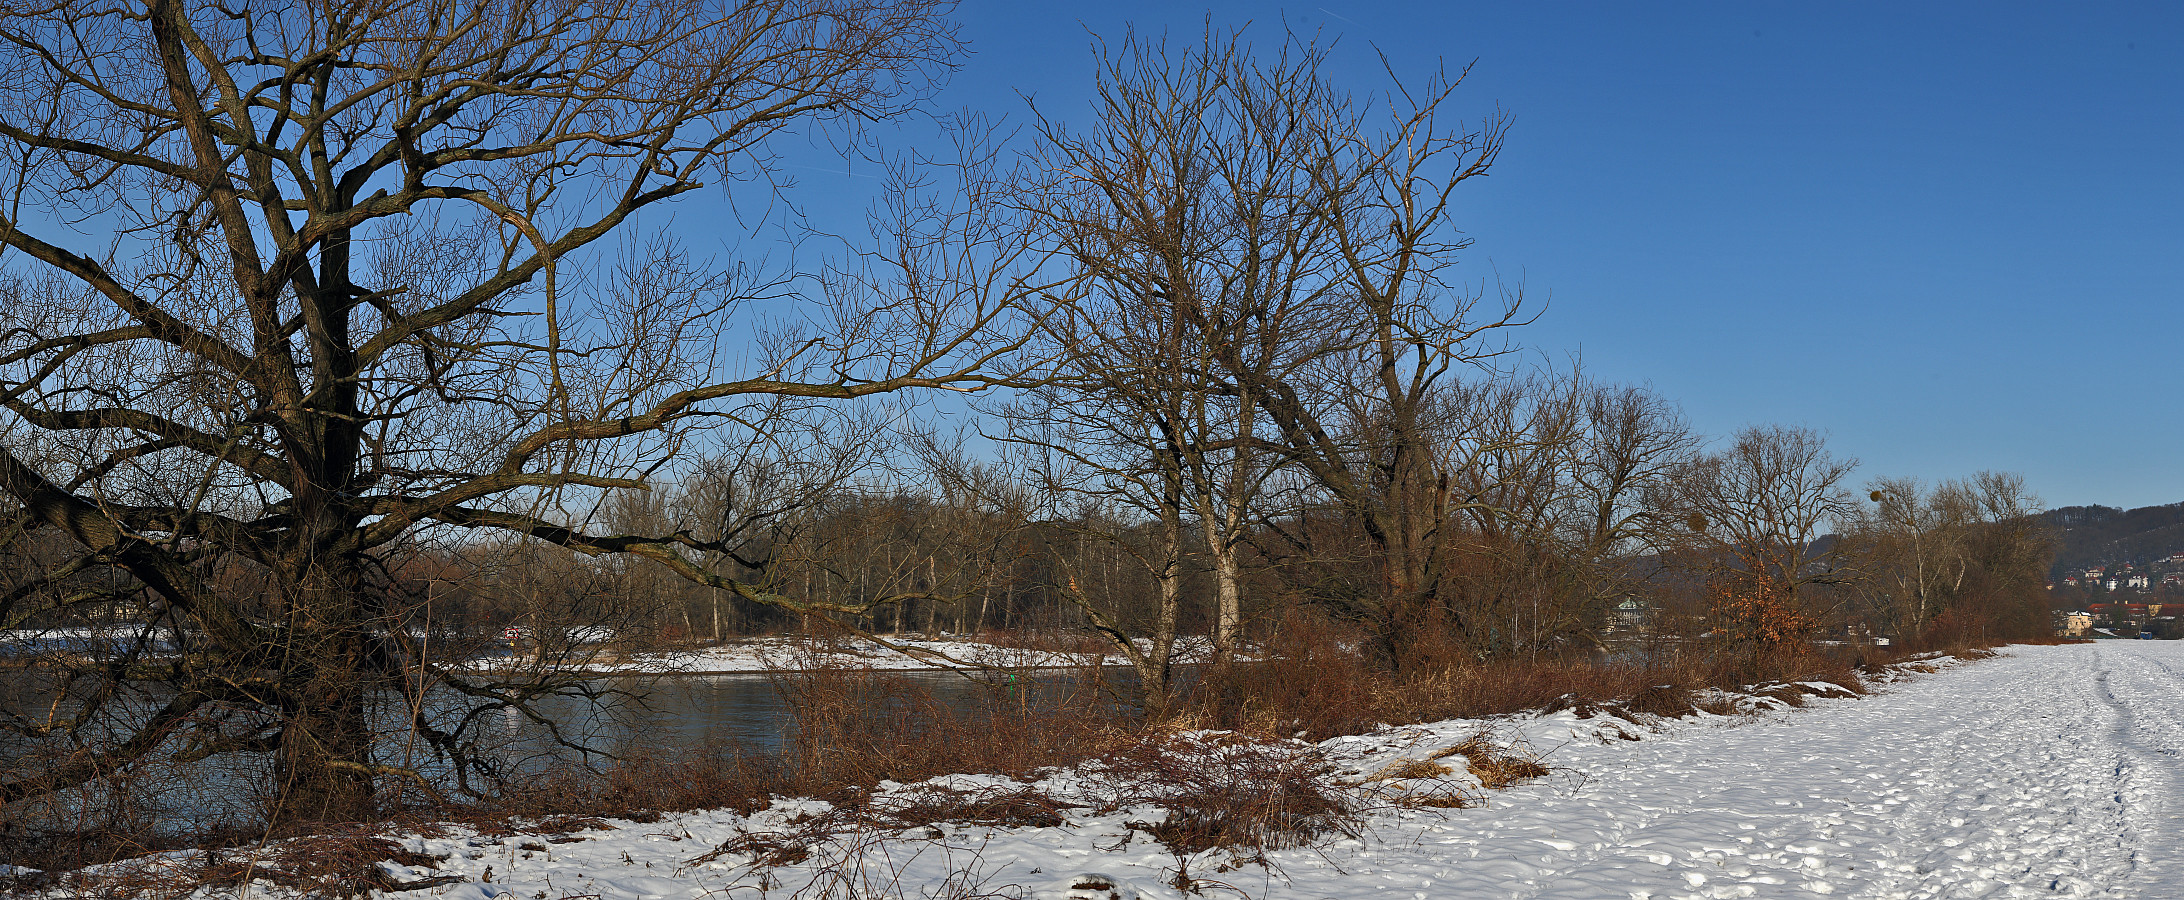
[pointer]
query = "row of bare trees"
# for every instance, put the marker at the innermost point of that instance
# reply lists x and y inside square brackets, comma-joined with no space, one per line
[378,347]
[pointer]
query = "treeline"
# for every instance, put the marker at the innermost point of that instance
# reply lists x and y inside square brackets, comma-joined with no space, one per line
[1599,521]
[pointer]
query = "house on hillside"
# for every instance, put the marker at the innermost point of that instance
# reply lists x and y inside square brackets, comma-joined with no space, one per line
[2134,615]
[2076,624]
[1632,614]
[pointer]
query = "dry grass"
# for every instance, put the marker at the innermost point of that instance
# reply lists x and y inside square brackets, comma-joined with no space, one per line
[1496,764]
[340,864]
[1411,769]
[1668,701]
[1230,791]
[638,788]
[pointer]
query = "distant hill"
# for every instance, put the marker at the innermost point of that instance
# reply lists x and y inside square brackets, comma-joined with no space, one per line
[2104,535]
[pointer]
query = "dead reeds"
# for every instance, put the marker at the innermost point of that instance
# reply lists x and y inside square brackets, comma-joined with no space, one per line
[1319,686]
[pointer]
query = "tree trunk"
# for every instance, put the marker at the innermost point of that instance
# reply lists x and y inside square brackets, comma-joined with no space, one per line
[322,762]
[932,585]
[1157,667]
[1227,594]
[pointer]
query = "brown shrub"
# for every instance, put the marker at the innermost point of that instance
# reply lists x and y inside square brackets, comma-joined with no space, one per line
[641,786]
[1316,683]
[1312,681]
[853,728]
[1229,791]
[338,864]
[1020,808]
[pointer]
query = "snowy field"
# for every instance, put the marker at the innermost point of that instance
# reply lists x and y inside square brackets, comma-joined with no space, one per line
[2051,771]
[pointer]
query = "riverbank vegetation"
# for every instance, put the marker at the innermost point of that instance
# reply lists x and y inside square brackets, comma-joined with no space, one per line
[385,374]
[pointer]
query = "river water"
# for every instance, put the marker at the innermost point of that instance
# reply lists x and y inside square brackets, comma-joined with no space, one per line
[655,716]
[757,713]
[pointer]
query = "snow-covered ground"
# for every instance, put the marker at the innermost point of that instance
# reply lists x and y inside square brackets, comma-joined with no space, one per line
[916,653]
[2047,771]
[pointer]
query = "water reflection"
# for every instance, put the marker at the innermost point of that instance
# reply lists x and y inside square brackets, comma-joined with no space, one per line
[752,714]
[758,713]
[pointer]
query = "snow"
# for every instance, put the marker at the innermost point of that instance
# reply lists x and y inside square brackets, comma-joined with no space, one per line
[2049,771]
[783,654]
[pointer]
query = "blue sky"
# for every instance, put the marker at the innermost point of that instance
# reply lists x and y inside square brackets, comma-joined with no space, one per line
[1949,236]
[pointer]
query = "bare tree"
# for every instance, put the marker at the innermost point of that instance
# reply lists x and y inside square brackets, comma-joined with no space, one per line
[1556,474]
[1298,237]
[1104,437]
[1754,513]
[1147,212]
[360,284]
[1960,545]
[1925,529]
[1633,440]
[755,506]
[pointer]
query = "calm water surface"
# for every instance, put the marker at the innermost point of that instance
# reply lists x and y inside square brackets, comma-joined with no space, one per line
[757,713]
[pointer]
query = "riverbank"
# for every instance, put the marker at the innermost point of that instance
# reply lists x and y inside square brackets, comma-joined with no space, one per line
[2050,770]
[898,653]
[909,653]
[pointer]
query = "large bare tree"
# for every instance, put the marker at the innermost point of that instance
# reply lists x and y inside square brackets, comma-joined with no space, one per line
[289,283]
[1300,237]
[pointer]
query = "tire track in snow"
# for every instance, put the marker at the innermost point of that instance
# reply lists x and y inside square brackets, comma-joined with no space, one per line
[2016,776]
[2142,690]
